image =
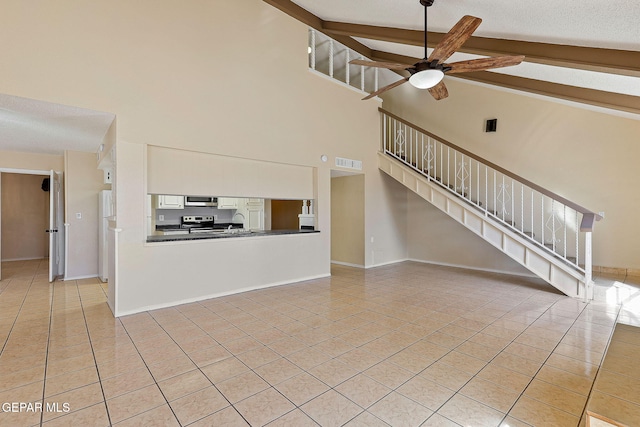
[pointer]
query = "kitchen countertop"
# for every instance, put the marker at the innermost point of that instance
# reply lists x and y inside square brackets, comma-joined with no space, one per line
[224,235]
[219,226]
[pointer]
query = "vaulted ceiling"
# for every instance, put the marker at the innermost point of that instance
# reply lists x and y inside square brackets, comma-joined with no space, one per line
[587,51]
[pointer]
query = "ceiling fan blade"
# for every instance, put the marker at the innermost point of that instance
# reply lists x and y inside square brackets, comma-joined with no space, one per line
[439,91]
[484,64]
[455,38]
[380,64]
[386,88]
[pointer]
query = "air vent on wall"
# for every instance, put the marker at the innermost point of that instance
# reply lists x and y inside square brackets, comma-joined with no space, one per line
[349,163]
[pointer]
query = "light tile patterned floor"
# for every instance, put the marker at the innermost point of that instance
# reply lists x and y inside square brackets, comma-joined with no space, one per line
[402,345]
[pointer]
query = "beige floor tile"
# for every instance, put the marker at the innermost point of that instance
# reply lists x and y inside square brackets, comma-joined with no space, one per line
[557,397]
[171,367]
[127,382]
[308,358]
[198,405]
[446,375]
[467,411]
[77,399]
[302,388]
[366,419]
[12,379]
[464,362]
[242,386]
[512,422]
[183,384]
[516,363]
[65,382]
[538,414]
[278,371]
[225,417]
[258,357]
[359,359]
[209,355]
[331,409]
[616,409]
[505,378]
[333,347]
[437,420]
[397,410]
[295,418]
[224,369]
[490,394]
[95,415]
[444,340]
[363,390]
[477,350]
[136,402]
[333,372]
[528,352]
[576,383]
[264,407]
[389,374]
[620,386]
[426,392]
[287,345]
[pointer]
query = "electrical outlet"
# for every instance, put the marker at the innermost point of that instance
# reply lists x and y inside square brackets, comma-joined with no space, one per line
[160,217]
[215,217]
[78,215]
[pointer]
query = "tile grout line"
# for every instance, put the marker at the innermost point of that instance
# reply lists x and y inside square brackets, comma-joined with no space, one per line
[93,353]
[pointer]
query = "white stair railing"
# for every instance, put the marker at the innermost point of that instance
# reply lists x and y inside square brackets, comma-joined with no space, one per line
[331,58]
[553,223]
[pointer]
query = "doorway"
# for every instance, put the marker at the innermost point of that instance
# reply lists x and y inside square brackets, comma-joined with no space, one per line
[31,216]
[347,219]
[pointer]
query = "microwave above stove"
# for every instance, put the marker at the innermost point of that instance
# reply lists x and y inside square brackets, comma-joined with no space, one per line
[200,201]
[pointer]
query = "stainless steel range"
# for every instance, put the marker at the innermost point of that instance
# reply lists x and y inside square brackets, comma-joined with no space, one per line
[197,224]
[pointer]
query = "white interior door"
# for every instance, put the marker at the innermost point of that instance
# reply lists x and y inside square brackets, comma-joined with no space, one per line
[55,230]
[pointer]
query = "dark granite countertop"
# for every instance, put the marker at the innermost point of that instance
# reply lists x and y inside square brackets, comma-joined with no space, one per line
[224,235]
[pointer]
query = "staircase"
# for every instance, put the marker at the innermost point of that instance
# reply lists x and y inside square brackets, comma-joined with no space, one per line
[544,232]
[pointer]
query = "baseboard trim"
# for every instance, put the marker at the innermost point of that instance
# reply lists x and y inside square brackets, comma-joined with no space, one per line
[347,264]
[217,295]
[23,259]
[466,267]
[382,264]
[80,277]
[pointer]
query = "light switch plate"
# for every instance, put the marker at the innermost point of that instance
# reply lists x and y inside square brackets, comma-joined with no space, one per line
[78,215]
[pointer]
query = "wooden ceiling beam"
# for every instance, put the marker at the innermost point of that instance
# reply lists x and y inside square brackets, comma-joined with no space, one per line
[623,62]
[308,18]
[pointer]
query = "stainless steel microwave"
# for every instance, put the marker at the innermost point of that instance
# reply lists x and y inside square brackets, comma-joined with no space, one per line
[200,201]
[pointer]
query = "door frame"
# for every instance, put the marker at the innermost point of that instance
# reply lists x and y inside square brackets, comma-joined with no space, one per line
[45,173]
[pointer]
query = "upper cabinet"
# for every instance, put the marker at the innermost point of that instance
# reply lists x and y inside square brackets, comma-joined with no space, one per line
[169,202]
[227,203]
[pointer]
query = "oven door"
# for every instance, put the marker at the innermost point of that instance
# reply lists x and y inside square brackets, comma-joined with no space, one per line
[200,201]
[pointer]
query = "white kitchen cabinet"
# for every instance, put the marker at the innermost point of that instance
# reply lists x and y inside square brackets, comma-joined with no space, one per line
[227,203]
[170,202]
[255,219]
[254,214]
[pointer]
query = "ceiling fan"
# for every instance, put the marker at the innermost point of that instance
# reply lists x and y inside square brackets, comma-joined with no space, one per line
[429,72]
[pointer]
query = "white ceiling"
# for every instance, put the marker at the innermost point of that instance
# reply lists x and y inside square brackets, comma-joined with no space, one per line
[29,125]
[590,23]
[594,23]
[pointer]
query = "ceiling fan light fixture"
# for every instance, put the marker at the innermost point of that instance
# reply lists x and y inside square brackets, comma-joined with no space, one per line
[426,79]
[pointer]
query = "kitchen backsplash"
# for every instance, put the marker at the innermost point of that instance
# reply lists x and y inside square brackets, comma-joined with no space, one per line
[172,216]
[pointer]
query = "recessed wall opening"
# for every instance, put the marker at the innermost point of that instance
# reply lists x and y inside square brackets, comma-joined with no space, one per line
[347,218]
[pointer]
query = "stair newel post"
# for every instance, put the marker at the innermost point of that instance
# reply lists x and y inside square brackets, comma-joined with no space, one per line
[587,266]
[375,80]
[577,240]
